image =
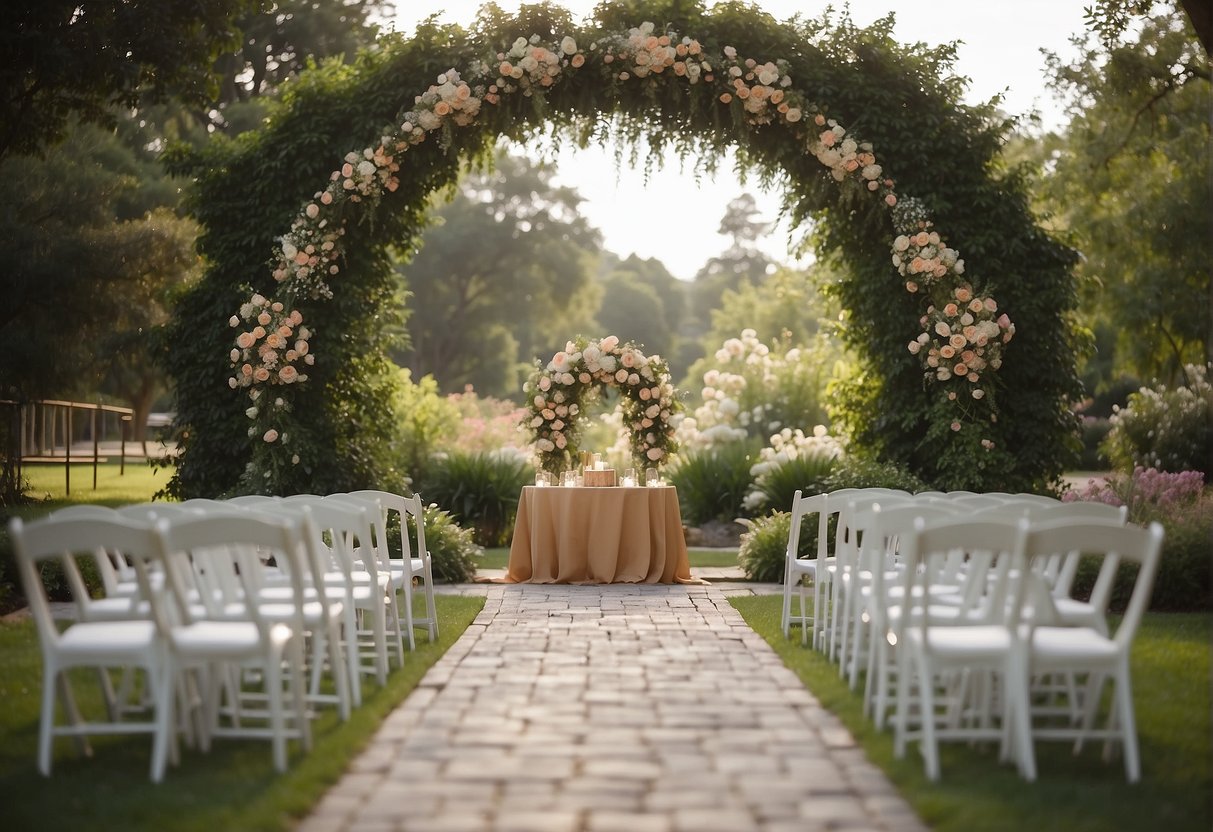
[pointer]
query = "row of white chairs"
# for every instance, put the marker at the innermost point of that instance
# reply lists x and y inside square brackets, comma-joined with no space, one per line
[239,616]
[959,607]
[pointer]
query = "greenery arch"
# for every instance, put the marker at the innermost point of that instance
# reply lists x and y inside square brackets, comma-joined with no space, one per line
[334,432]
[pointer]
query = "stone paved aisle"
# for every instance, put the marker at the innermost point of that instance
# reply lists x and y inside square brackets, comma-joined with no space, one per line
[611,709]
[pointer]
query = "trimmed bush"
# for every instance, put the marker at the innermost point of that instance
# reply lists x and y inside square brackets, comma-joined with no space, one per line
[861,472]
[764,545]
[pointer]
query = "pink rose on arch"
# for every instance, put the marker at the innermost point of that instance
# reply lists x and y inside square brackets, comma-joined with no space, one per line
[654,453]
[584,378]
[545,383]
[951,310]
[245,340]
[628,359]
[956,426]
[947,351]
[609,343]
[633,379]
[991,305]
[261,374]
[621,376]
[644,394]
[270,435]
[288,374]
[646,422]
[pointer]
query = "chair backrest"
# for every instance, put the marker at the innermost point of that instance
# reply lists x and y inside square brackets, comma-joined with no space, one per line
[801,506]
[1114,544]
[348,527]
[881,524]
[227,553]
[995,552]
[66,541]
[405,507]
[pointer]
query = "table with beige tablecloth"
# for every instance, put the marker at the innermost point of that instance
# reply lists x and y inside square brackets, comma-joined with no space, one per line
[569,535]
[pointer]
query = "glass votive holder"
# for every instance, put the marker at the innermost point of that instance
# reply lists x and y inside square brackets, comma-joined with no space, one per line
[570,479]
[651,477]
[629,477]
[542,478]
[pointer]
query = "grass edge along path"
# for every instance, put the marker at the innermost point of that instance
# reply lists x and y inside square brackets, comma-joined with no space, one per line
[1171,677]
[234,786]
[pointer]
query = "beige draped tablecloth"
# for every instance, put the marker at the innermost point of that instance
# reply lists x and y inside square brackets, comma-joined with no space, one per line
[566,535]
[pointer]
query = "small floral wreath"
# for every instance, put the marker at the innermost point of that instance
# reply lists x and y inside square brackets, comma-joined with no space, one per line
[556,396]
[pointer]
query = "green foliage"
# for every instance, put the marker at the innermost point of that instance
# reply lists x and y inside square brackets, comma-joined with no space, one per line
[863,472]
[1164,428]
[480,490]
[712,483]
[508,259]
[59,61]
[905,100]
[1128,183]
[642,302]
[764,547]
[425,421]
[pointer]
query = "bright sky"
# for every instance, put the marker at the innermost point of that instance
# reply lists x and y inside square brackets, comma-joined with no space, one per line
[999,52]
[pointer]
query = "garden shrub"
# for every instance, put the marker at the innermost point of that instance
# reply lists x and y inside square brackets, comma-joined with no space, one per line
[1164,428]
[480,490]
[712,483]
[863,472]
[424,421]
[765,542]
[1179,502]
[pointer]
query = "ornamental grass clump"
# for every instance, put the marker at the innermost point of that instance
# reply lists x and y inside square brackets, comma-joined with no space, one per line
[792,462]
[712,484]
[480,490]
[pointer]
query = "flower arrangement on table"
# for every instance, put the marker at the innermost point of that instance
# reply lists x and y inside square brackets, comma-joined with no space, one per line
[557,393]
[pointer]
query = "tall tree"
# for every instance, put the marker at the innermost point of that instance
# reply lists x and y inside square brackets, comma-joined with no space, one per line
[503,275]
[641,301]
[1110,18]
[742,262]
[64,58]
[1131,184]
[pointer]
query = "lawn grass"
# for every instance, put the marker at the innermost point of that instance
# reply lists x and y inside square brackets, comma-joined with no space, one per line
[233,787]
[136,485]
[1171,666]
[499,558]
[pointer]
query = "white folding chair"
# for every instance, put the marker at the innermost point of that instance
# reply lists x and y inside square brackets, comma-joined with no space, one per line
[105,645]
[230,633]
[414,563]
[796,568]
[944,656]
[1091,651]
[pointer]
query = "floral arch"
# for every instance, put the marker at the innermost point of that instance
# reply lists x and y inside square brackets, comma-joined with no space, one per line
[556,395]
[926,322]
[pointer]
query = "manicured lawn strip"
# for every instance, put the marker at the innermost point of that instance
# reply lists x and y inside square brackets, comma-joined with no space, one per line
[136,485]
[1171,664]
[499,558]
[232,787]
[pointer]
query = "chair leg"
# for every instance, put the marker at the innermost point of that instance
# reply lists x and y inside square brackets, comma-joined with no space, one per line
[406,589]
[926,696]
[162,678]
[50,681]
[785,618]
[273,689]
[1128,722]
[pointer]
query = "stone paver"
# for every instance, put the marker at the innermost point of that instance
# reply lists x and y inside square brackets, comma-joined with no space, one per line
[600,708]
